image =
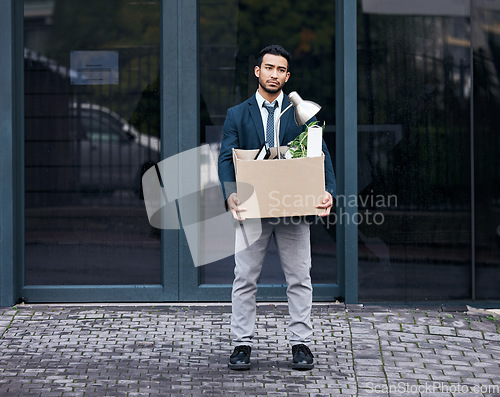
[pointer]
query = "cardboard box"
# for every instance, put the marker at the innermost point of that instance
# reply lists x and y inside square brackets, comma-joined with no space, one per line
[276,188]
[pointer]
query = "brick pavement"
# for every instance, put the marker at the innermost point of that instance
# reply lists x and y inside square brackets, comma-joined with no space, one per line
[164,350]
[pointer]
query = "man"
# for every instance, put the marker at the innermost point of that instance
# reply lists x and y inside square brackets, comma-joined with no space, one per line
[248,126]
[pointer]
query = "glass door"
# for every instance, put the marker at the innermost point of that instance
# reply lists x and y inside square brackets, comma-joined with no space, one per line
[231,34]
[92,129]
[414,156]
[486,61]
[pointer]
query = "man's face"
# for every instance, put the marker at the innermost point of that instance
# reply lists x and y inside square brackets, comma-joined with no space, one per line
[273,73]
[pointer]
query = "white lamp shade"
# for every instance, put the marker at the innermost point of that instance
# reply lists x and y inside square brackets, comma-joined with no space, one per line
[304,110]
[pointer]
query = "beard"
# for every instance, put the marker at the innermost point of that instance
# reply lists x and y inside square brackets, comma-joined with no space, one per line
[271,89]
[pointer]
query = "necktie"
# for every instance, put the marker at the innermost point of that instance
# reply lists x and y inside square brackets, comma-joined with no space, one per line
[270,123]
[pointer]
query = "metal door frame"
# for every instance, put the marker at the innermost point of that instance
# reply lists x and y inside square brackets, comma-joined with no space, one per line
[12,285]
[180,112]
[346,157]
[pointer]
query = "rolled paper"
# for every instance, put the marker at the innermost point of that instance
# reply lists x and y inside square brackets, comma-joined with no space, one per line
[314,141]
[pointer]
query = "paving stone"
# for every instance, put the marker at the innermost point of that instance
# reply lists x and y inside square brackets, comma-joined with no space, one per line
[441,330]
[486,325]
[183,350]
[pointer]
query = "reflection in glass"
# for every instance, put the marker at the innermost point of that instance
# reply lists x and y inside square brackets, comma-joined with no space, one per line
[486,19]
[232,32]
[414,79]
[88,144]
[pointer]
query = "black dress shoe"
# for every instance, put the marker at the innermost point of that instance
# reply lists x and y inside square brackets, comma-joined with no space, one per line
[302,357]
[240,359]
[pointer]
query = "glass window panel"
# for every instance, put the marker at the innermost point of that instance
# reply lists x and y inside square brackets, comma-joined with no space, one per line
[414,86]
[232,32]
[90,133]
[486,39]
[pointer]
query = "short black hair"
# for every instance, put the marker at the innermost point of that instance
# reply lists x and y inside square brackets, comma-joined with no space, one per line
[274,49]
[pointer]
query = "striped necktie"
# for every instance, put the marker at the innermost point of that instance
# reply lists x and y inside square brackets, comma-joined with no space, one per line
[270,123]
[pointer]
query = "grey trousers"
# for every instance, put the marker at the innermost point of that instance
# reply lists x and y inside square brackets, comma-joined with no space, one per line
[292,239]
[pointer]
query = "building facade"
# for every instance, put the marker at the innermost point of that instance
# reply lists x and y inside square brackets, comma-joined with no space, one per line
[96,93]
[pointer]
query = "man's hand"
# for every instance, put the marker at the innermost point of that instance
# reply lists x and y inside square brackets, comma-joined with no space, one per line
[233,203]
[326,204]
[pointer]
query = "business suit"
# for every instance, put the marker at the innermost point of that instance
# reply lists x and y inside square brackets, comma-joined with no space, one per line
[244,129]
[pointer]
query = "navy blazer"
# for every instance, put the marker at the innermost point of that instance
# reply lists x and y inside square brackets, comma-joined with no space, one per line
[243,129]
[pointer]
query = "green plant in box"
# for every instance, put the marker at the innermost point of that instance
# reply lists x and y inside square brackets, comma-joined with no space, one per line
[298,147]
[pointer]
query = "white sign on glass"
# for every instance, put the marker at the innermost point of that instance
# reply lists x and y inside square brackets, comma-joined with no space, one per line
[94,67]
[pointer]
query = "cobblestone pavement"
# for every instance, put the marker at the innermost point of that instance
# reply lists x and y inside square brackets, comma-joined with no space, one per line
[176,350]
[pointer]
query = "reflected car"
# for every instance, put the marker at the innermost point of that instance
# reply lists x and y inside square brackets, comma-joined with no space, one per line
[112,154]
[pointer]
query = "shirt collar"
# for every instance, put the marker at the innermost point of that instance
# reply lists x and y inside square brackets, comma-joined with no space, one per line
[261,100]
